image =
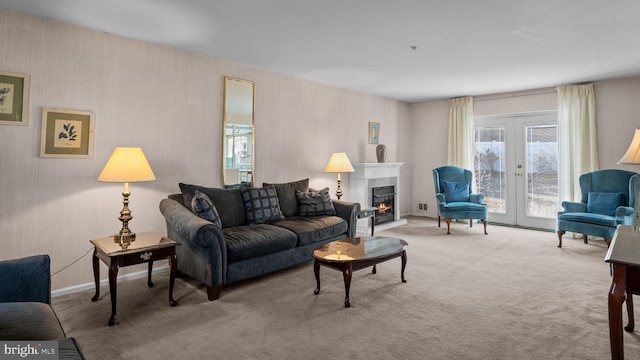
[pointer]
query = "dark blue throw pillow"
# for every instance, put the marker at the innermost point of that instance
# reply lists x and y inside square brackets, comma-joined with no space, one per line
[455,191]
[261,205]
[315,203]
[203,207]
[604,203]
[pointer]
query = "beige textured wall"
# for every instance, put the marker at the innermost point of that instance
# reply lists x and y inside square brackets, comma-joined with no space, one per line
[168,102]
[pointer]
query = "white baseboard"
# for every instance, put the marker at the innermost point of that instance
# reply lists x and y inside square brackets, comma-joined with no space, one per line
[105,282]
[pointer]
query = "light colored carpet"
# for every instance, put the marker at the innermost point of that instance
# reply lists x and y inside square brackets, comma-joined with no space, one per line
[511,294]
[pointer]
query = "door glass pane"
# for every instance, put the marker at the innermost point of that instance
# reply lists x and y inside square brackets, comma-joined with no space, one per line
[490,166]
[542,170]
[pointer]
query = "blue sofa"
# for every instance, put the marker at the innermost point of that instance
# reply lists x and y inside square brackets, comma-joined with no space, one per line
[25,305]
[230,247]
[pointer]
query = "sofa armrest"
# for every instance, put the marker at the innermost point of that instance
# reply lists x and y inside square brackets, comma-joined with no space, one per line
[26,280]
[348,211]
[203,252]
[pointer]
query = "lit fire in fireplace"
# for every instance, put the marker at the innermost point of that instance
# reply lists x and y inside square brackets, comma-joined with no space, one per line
[382,208]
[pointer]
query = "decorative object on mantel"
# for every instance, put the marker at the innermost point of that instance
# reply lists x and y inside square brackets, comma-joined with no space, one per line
[374,132]
[126,165]
[381,153]
[338,163]
[14,98]
[632,157]
[66,133]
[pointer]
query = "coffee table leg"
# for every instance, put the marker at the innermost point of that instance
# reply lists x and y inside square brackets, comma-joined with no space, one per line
[374,270]
[96,275]
[173,262]
[404,265]
[347,272]
[316,271]
[113,283]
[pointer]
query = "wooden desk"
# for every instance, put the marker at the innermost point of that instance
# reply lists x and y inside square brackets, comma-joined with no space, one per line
[624,255]
[147,247]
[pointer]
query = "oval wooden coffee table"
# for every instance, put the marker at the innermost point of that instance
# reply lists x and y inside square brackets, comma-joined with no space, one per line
[349,255]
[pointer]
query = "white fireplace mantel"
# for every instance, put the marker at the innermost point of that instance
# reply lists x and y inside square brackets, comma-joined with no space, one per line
[369,175]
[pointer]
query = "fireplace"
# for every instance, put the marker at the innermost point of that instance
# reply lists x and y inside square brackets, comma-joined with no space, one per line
[383,198]
[362,182]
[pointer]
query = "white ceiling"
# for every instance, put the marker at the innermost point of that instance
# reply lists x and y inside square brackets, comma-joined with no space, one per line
[462,47]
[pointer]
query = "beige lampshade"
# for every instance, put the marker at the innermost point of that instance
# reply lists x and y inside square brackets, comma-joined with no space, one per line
[339,162]
[127,165]
[632,156]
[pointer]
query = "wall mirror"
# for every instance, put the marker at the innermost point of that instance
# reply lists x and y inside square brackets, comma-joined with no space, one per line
[238,152]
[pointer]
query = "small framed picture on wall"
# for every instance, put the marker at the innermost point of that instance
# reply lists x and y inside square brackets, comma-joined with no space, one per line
[374,132]
[66,133]
[14,98]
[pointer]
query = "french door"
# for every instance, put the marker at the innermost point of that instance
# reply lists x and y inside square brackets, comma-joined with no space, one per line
[516,168]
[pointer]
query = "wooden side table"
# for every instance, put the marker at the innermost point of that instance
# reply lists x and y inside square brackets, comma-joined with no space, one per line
[624,255]
[369,213]
[148,247]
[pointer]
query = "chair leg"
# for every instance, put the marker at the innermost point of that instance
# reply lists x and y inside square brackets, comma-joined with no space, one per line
[484,221]
[560,233]
[448,221]
[438,220]
[470,223]
[608,241]
[584,236]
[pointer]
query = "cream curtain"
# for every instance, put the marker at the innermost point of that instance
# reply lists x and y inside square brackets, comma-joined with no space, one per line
[461,133]
[577,139]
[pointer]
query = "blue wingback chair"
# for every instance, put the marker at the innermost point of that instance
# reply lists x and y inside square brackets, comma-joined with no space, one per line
[608,199]
[455,196]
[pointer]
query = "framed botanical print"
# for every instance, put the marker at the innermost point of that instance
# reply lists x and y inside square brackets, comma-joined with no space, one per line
[67,133]
[374,132]
[14,98]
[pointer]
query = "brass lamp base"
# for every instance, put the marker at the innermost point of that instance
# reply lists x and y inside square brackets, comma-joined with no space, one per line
[125,236]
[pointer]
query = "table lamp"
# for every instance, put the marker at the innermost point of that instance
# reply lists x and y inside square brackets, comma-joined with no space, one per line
[338,163]
[632,157]
[126,165]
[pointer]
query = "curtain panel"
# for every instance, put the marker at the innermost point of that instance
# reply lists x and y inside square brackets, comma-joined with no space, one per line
[461,133]
[577,138]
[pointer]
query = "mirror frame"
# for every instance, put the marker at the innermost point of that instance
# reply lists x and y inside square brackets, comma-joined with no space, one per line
[226,119]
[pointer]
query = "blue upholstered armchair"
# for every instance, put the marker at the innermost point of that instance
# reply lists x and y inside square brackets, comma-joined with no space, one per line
[608,199]
[455,196]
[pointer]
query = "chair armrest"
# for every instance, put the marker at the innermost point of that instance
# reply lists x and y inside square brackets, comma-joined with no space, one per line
[573,206]
[476,198]
[441,198]
[349,212]
[26,280]
[624,211]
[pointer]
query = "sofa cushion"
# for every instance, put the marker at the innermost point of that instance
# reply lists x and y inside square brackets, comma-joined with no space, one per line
[287,195]
[604,203]
[261,205]
[455,191]
[315,203]
[202,206]
[311,229]
[29,321]
[246,242]
[228,202]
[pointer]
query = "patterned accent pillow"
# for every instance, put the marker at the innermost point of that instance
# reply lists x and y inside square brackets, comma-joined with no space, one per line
[202,206]
[261,205]
[315,203]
